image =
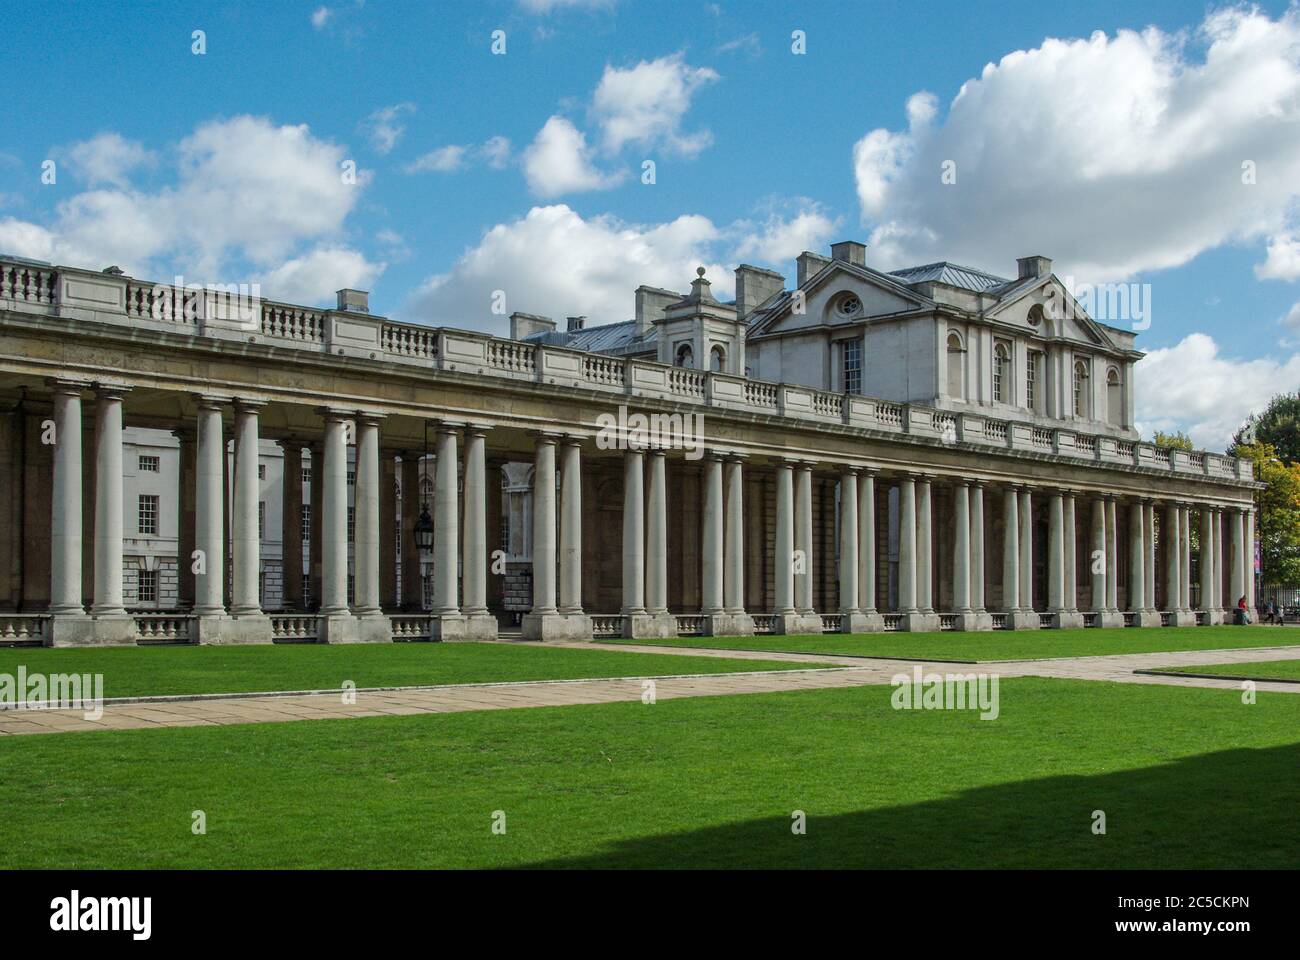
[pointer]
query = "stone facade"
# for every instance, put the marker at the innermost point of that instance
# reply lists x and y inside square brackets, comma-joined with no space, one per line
[580,483]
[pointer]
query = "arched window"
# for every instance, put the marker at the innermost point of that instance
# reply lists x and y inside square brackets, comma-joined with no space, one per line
[717,360]
[1114,398]
[1080,389]
[1001,373]
[956,367]
[685,356]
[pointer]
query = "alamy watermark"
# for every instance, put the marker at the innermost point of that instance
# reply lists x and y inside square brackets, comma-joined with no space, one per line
[657,431]
[53,691]
[949,691]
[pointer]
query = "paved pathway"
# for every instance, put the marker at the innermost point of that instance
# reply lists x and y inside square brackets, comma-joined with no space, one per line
[847,672]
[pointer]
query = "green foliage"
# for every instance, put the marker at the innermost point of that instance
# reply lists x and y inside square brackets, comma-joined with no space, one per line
[1278,426]
[1278,514]
[1177,441]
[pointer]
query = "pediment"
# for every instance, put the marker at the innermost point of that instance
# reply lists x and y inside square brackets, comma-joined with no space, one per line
[842,293]
[1047,308]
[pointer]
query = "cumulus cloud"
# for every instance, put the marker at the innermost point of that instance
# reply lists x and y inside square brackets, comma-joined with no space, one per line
[1282,261]
[314,277]
[645,104]
[247,195]
[559,161]
[555,263]
[385,127]
[779,238]
[495,152]
[107,158]
[321,16]
[1091,151]
[1191,386]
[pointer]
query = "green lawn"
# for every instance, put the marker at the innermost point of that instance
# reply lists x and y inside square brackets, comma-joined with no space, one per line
[1002,644]
[1264,670]
[146,671]
[1187,778]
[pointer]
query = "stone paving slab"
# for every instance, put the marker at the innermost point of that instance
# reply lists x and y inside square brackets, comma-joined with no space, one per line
[407,701]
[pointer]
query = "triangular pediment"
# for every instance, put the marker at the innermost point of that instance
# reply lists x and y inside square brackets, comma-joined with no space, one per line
[840,292]
[1044,306]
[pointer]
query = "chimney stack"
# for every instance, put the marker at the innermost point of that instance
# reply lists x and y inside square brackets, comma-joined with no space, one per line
[755,286]
[523,325]
[809,265]
[576,323]
[850,251]
[1033,267]
[354,301]
[651,302]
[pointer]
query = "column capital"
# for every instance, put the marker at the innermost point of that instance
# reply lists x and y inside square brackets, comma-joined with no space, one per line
[548,436]
[208,401]
[243,404]
[68,385]
[366,416]
[473,429]
[335,414]
[111,391]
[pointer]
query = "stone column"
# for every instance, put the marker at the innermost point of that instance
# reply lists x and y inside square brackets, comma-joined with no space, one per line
[1112,565]
[388,531]
[1149,565]
[1056,557]
[209,523]
[1136,561]
[448,622]
[1237,576]
[1207,564]
[1217,525]
[1011,555]
[867,552]
[1029,618]
[803,581]
[185,493]
[112,623]
[924,558]
[850,612]
[291,523]
[248,623]
[1071,598]
[413,504]
[961,555]
[981,619]
[633,541]
[1169,539]
[739,623]
[656,578]
[316,527]
[711,541]
[479,623]
[1097,560]
[335,623]
[1185,567]
[66,507]
[912,618]
[372,624]
[783,562]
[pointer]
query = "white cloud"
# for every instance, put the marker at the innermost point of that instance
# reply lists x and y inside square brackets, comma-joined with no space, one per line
[495,152]
[645,105]
[321,16]
[549,6]
[1283,259]
[314,277]
[779,239]
[247,194]
[555,263]
[106,158]
[558,161]
[1292,318]
[1192,387]
[442,160]
[384,127]
[1091,151]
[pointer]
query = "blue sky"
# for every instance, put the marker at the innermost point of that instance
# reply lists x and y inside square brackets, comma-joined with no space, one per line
[1118,156]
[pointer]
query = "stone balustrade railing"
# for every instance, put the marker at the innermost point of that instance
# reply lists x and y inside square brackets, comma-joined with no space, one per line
[162,627]
[223,314]
[293,626]
[607,626]
[22,628]
[411,626]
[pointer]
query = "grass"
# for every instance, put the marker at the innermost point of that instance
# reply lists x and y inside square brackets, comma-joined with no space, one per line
[1001,644]
[152,671]
[1188,778]
[1265,670]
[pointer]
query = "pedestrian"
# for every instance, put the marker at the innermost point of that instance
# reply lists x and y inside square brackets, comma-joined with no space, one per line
[1243,615]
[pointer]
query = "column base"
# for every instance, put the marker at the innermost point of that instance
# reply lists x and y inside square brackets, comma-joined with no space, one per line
[1023,620]
[447,627]
[91,631]
[862,623]
[649,626]
[337,628]
[1069,620]
[728,625]
[975,620]
[249,628]
[1215,618]
[1146,618]
[792,624]
[918,622]
[1182,618]
[561,626]
[480,626]
[1112,618]
[374,627]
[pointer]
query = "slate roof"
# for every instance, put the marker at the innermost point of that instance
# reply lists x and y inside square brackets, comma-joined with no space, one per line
[953,274]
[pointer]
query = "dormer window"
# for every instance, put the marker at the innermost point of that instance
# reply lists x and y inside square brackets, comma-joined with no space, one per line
[685,356]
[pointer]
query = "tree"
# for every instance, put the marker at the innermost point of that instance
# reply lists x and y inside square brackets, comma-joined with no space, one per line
[1278,516]
[1278,426]
[1176,441]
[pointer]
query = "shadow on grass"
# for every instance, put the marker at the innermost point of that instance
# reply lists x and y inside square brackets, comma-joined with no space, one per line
[1229,809]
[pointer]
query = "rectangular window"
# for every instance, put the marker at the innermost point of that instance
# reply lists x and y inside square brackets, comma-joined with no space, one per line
[148,464]
[147,518]
[1031,380]
[306,522]
[352,523]
[852,366]
[261,471]
[147,586]
[306,476]
[261,519]
[352,478]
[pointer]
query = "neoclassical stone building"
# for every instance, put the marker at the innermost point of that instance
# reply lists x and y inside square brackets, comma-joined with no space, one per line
[933,448]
